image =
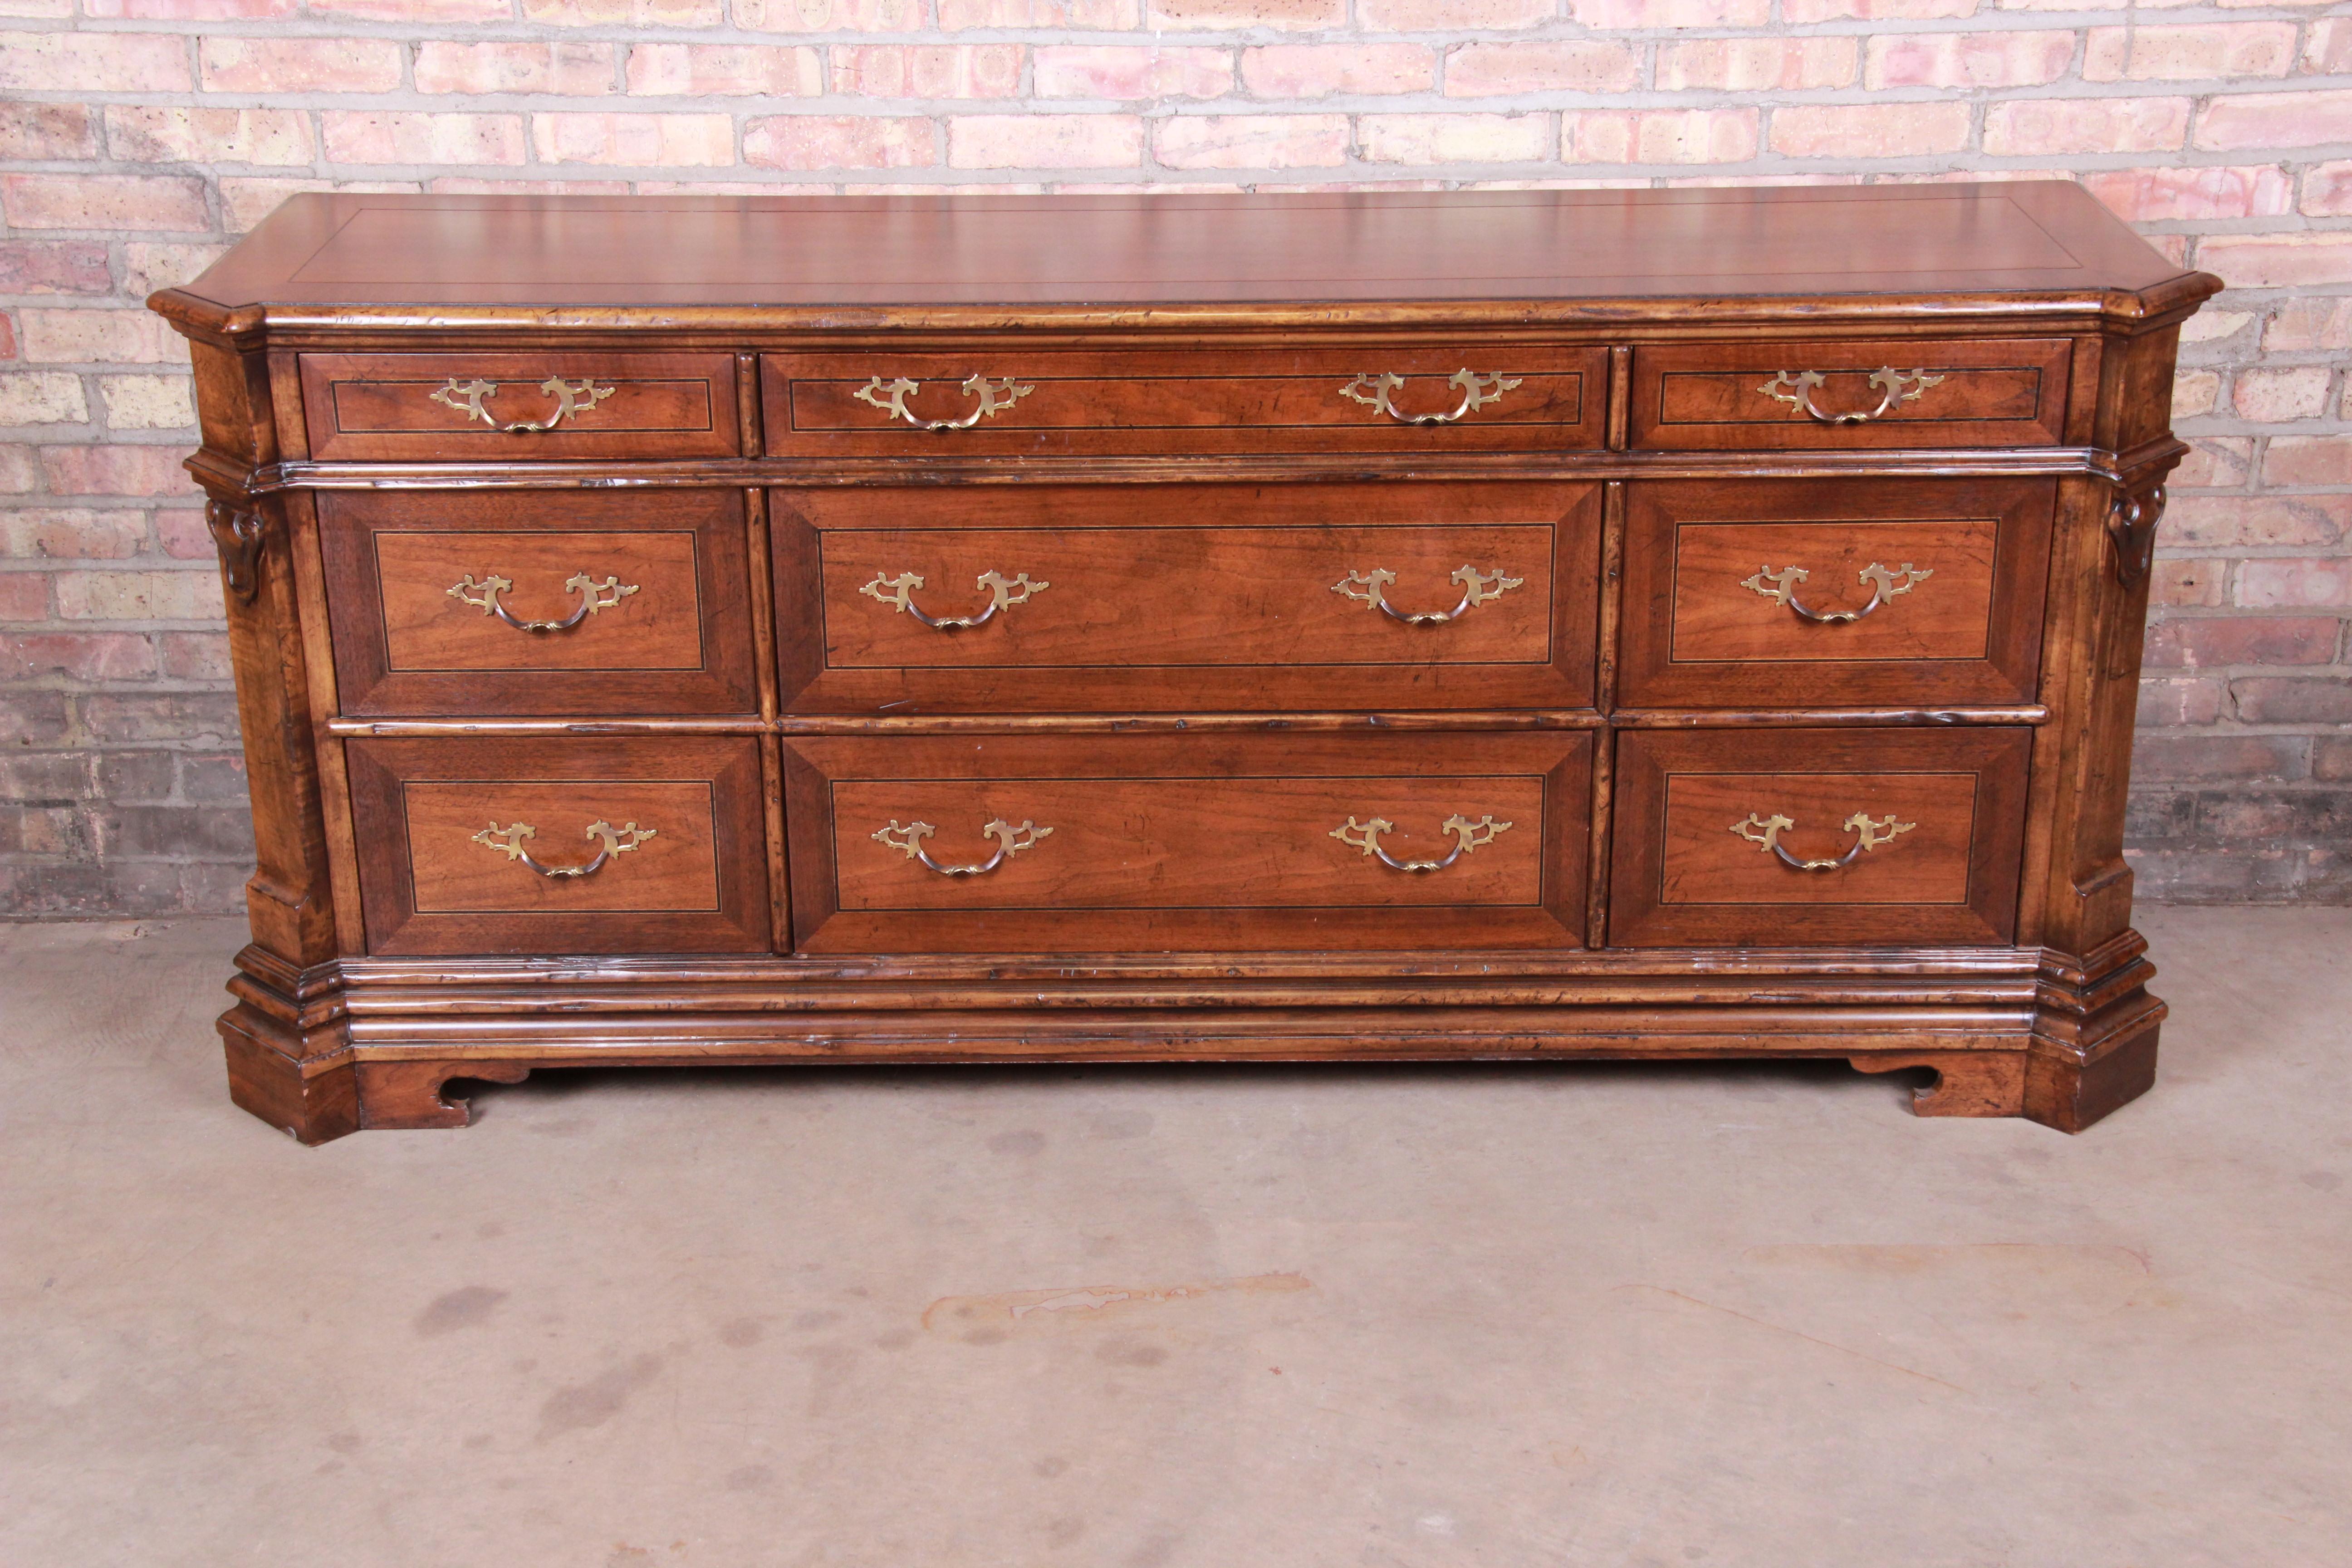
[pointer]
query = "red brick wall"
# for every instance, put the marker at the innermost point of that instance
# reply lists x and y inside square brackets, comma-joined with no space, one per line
[142,135]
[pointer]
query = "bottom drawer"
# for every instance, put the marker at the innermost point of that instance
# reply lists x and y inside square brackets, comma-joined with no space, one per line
[1127,843]
[1784,837]
[481,845]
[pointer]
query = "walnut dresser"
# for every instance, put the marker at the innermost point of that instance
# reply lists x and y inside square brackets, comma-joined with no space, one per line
[1117,629]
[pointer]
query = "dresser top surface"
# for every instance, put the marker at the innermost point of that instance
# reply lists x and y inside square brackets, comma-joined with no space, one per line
[1130,252]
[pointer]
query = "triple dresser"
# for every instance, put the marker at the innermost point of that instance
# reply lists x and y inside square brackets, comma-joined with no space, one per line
[1341,627]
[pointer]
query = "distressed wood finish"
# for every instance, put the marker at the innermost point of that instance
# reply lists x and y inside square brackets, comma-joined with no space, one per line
[1190,433]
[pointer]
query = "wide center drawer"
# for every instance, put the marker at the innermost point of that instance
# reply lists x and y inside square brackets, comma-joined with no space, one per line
[1127,843]
[1091,598]
[1012,400]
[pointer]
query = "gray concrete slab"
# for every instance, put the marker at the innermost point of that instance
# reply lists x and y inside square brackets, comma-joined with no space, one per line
[1203,1318]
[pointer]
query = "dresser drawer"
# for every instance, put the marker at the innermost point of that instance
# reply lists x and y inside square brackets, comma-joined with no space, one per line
[1001,400]
[519,407]
[1833,394]
[1834,593]
[1189,842]
[1788,837]
[1095,597]
[539,602]
[554,846]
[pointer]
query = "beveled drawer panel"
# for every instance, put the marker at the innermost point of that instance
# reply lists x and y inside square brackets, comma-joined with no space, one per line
[506,844]
[1791,837]
[1834,593]
[1842,395]
[525,406]
[539,602]
[999,399]
[1192,842]
[1077,597]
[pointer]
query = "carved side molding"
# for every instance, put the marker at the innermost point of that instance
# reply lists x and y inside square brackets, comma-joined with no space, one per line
[2131,523]
[237,536]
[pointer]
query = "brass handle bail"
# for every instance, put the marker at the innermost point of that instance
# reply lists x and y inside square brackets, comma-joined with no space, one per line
[1796,388]
[1764,833]
[1477,587]
[1467,836]
[1010,841]
[570,400]
[1372,389]
[508,841]
[1003,593]
[593,597]
[1780,587]
[994,395]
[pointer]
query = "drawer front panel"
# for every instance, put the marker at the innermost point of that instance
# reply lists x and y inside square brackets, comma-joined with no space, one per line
[1785,838]
[1096,597]
[1192,843]
[519,407]
[1847,396]
[993,401]
[519,602]
[1826,592]
[481,845]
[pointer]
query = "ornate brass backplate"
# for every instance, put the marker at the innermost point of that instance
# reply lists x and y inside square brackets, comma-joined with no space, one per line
[1780,587]
[1796,388]
[619,840]
[593,597]
[1467,836]
[1764,833]
[570,400]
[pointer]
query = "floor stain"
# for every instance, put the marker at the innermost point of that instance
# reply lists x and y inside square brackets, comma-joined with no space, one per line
[460,1309]
[597,1401]
[742,1334]
[1796,1335]
[1026,1142]
[988,1320]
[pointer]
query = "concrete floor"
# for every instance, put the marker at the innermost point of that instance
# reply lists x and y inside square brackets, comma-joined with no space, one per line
[1195,1318]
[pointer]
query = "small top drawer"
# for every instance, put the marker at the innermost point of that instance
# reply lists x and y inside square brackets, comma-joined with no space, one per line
[1848,395]
[519,407]
[1504,397]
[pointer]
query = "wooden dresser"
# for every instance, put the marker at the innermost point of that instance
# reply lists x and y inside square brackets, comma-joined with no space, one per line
[1126,628]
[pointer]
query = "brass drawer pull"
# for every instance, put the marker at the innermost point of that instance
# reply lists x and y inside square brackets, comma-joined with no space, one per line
[1796,387]
[570,401]
[1001,595]
[1467,836]
[1372,388]
[593,597]
[508,841]
[995,397]
[1780,587]
[1477,587]
[1010,841]
[1764,833]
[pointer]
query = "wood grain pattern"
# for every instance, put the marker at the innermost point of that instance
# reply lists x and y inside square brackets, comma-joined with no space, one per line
[1697,635]
[381,405]
[1991,393]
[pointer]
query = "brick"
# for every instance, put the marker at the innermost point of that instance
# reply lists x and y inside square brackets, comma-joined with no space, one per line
[119,595]
[1658,136]
[1119,72]
[2226,520]
[2212,641]
[1455,137]
[1044,142]
[44,777]
[573,71]
[77,656]
[2146,195]
[187,10]
[2329,50]
[53,267]
[202,719]
[1232,15]
[1623,16]
[49,397]
[627,13]
[182,532]
[637,141]
[94,62]
[1805,12]
[2277,260]
[1760,65]
[1493,70]
[392,136]
[2214,461]
[1451,15]
[148,402]
[299,65]
[2266,120]
[2308,461]
[451,11]
[2214,50]
[2293,699]
[2043,126]
[195,656]
[2176,701]
[2295,583]
[2331,757]
[461,184]
[72,534]
[1870,130]
[696,70]
[169,134]
[116,471]
[2271,395]
[104,202]
[1251,140]
[1968,59]
[63,336]
[2194,392]
[1082,15]
[1295,71]
[24,596]
[2196,582]
[2317,323]
[2194,759]
[2328,189]
[930,70]
[2209,326]
[32,131]
[826,141]
[148,266]
[178,831]
[19,471]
